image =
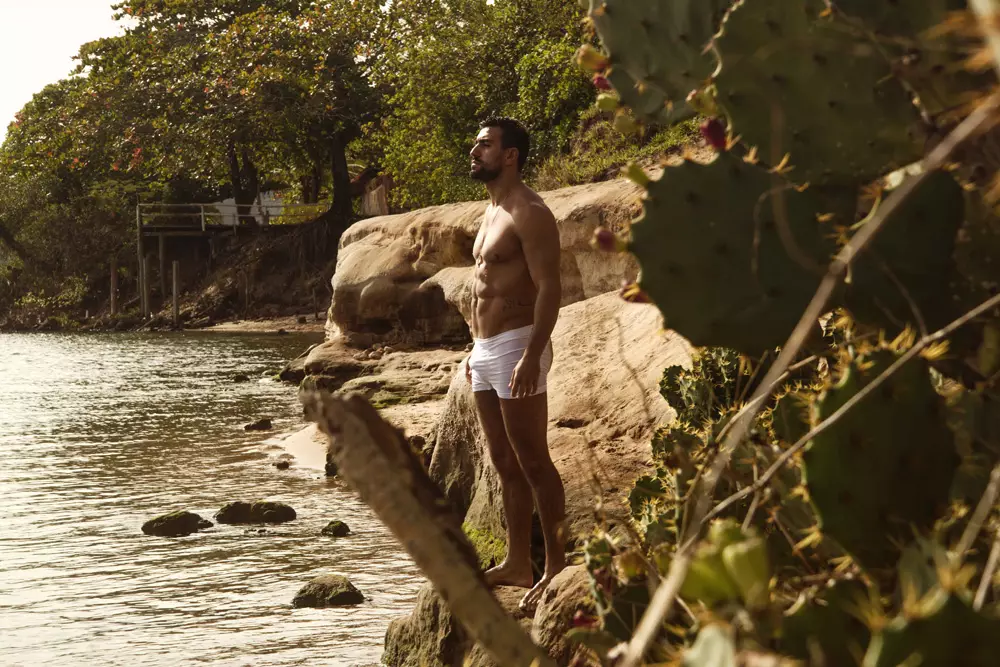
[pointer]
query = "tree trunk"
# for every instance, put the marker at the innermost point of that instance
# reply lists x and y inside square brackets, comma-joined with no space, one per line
[244,179]
[342,207]
[317,181]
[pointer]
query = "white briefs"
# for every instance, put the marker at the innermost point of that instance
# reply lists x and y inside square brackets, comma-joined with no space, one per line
[493,360]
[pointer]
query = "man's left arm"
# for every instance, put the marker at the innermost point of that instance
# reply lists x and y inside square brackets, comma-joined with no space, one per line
[539,237]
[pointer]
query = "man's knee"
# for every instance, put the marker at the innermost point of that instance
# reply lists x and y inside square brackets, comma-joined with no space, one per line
[540,471]
[506,465]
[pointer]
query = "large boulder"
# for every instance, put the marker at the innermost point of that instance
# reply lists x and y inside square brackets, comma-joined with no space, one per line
[604,404]
[407,277]
[430,635]
[175,524]
[554,615]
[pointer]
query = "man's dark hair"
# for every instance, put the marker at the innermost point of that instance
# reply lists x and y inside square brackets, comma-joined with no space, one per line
[512,135]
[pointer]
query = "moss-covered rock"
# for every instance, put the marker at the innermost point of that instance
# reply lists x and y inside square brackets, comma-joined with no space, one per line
[336,528]
[490,548]
[175,524]
[261,511]
[328,590]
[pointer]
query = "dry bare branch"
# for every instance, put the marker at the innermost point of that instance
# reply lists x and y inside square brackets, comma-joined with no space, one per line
[377,462]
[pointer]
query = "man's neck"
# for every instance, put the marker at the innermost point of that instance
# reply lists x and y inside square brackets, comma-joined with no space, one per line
[501,187]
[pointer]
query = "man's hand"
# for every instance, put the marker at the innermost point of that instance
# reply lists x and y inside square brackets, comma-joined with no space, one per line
[524,381]
[468,371]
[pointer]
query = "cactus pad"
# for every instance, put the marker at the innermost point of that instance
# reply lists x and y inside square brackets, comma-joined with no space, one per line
[944,631]
[915,250]
[822,623]
[712,257]
[885,467]
[792,81]
[708,388]
[656,50]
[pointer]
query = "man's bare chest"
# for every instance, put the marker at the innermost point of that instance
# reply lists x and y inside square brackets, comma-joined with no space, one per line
[497,242]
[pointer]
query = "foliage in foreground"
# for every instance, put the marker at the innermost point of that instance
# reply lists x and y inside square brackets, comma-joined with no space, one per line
[843,531]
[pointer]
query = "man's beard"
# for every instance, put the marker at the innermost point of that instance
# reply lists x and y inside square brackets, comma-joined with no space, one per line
[483,173]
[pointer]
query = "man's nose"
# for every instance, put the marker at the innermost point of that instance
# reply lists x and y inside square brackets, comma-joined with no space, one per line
[474,152]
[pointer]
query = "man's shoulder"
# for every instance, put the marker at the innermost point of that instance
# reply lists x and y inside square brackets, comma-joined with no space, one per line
[532,209]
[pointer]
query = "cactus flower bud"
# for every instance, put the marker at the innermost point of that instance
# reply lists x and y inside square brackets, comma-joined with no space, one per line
[747,565]
[590,58]
[707,579]
[607,101]
[634,294]
[723,532]
[606,240]
[630,565]
[635,174]
[714,133]
[601,82]
[624,123]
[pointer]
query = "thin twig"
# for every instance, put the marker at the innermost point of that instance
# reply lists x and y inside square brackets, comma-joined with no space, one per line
[850,403]
[662,601]
[753,504]
[983,509]
[911,302]
[991,568]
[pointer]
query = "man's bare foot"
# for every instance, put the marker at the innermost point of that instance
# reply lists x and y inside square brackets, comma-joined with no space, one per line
[506,574]
[529,603]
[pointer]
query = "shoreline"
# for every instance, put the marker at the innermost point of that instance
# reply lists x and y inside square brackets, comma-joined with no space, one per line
[291,324]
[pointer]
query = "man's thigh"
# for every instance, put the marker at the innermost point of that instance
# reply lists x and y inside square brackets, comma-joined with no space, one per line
[492,421]
[526,421]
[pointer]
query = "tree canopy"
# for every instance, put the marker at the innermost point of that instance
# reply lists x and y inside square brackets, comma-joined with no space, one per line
[202,101]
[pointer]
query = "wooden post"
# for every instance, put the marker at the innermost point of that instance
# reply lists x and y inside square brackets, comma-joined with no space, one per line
[177,284]
[163,266]
[114,286]
[138,229]
[147,268]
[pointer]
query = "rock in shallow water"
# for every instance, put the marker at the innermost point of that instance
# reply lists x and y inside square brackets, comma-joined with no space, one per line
[336,529]
[328,590]
[175,524]
[262,511]
[259,425]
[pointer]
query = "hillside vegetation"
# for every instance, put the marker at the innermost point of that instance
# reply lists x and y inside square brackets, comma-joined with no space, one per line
[199,102]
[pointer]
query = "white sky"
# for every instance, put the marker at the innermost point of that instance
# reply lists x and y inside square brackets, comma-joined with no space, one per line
[38,39]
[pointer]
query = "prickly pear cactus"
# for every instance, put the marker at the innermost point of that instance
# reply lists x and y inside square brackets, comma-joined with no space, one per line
[656,51]
[791,81]
[713,258]
[932,64]
[885,467]
[706,389]
[820,623]
[941,630]
[910,262]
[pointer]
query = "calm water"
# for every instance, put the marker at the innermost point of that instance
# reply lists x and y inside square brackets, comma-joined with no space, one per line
[99,433]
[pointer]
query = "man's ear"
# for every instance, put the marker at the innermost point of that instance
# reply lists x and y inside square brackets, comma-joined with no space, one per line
[511,154]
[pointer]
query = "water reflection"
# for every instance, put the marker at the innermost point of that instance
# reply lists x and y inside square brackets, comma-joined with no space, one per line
[99,433]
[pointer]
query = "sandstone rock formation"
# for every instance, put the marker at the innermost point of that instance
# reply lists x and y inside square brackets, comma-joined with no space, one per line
[604,404]
[404,281]
[406,277]
[430,635]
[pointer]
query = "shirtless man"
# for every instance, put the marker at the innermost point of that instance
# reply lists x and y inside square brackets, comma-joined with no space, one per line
[515,306]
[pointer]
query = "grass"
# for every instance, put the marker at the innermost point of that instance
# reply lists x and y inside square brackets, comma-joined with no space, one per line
[598,151]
